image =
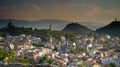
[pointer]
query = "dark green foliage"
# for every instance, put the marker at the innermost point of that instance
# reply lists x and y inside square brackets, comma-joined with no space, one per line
[3,34]
[45,60]
[112,65]
[78,49]
[25,61]
[70,36]
[11,56]
[111,29]
[117,50]
[8,56]
[55,49]
[2,54]
[76,28]
[38,45]
[50,61]
[44,34]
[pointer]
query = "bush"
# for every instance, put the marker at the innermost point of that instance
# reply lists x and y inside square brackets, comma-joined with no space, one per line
[112,65]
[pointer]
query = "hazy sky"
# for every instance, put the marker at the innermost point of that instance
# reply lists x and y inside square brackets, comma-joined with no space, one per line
[99,11]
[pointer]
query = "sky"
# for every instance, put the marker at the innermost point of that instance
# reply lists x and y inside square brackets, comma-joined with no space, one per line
[97,11]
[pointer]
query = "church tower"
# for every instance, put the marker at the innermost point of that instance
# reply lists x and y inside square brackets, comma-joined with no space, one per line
[10,23]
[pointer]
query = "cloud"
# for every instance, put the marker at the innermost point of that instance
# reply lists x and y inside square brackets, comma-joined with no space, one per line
[101,15]
[71,11]
[74,12]
[92,11]
[36,7]
[28,12]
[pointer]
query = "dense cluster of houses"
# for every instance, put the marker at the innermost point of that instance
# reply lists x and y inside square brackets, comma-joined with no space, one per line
[99,51]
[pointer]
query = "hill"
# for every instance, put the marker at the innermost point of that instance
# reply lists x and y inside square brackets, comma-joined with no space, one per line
[44,34]
[43,24]
[111,29]
[77,28]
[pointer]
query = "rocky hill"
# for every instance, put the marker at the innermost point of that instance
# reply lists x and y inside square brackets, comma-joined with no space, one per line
[77,28]
[112,29]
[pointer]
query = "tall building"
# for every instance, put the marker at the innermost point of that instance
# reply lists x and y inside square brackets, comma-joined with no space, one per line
[51,38]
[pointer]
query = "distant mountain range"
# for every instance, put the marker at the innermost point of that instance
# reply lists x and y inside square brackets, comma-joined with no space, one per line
[112,29]
[44,24]
[77,28]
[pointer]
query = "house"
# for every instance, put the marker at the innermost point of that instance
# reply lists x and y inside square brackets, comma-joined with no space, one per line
[97,65]
[94,53]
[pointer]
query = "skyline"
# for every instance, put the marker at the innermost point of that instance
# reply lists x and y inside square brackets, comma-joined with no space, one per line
[71,10]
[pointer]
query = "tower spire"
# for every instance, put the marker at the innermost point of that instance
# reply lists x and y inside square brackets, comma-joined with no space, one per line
[50,27]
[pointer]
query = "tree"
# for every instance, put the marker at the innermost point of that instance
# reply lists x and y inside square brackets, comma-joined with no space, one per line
[82,65]
[112,65]
[50,61]
[38,45]
[45,60]
[55,49]
[25,61]
[78,49]
[2,54]
[10,56]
